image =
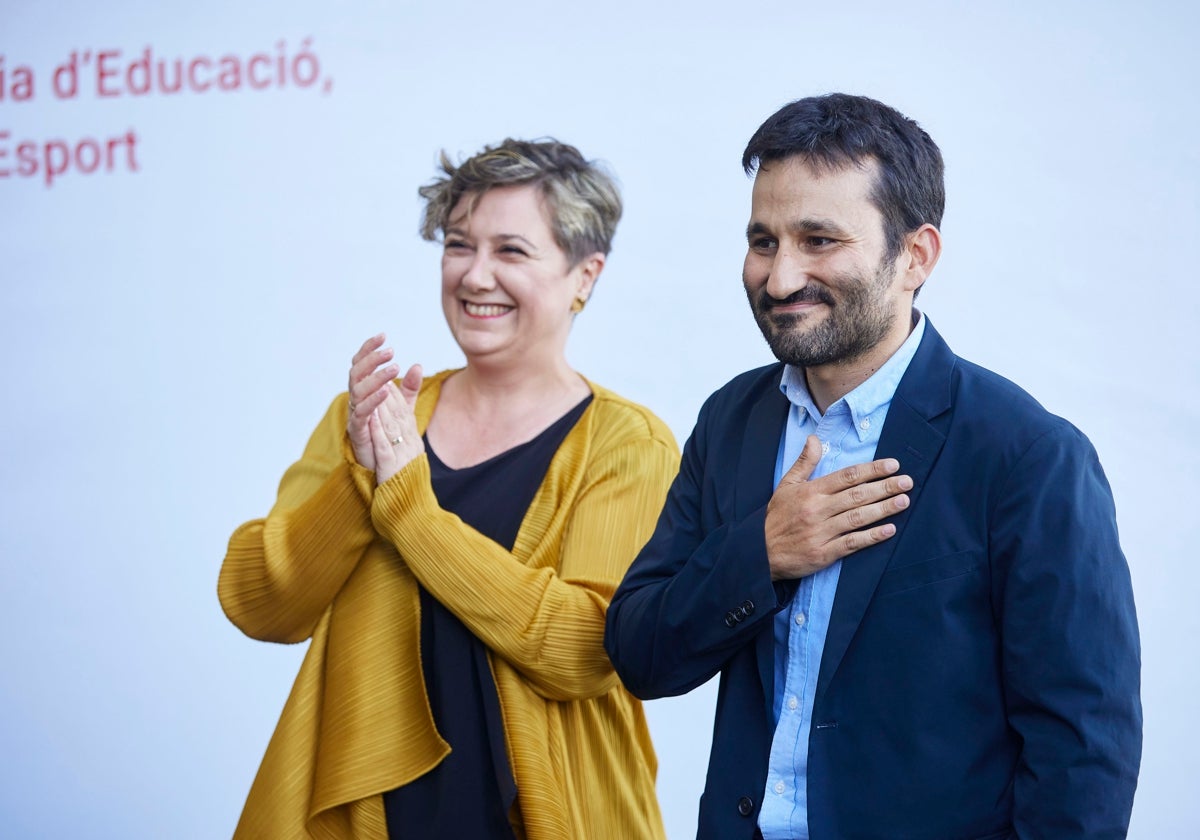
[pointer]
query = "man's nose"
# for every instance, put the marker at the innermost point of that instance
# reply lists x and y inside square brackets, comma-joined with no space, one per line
[789,274]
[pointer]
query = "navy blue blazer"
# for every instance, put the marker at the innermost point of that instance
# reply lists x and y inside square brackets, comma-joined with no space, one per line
[981,673]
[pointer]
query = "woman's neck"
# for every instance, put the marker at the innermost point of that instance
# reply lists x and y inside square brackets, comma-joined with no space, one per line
[497,388]
[483,411]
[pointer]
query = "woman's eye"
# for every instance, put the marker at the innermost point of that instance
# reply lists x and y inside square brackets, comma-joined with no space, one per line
[511,249]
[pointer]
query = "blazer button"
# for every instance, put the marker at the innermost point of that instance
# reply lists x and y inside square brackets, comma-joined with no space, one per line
[731,620]
[747,607]
[745,806]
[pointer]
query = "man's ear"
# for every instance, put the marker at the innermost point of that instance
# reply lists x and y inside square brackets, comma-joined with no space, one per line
[921,251]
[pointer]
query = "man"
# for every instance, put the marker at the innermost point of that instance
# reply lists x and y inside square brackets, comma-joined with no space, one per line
[905,570]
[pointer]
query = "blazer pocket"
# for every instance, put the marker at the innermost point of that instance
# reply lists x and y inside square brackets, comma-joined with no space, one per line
[928,572]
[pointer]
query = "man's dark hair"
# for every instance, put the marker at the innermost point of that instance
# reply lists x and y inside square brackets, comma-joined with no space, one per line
[838,130]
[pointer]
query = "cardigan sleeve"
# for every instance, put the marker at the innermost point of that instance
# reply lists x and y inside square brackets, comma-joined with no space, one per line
[281,572]
[546,620]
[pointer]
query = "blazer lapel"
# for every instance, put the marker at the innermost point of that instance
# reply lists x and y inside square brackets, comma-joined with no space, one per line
[760,448]
[753,488]
[911,438]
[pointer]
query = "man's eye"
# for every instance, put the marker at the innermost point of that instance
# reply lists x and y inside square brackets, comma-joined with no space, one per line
[819,241]
[762,243]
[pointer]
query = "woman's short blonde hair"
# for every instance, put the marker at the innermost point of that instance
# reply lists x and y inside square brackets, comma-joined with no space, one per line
[582,198]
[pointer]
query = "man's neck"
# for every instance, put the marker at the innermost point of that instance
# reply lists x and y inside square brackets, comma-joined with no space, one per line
[829,383]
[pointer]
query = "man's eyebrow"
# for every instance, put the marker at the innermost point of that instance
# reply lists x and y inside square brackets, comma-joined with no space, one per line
[803,226]
[819,226]
[755,228]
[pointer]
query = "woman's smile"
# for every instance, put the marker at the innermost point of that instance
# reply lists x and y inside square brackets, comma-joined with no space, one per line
[486,310]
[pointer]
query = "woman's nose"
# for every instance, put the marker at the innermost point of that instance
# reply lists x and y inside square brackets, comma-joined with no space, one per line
[479,273]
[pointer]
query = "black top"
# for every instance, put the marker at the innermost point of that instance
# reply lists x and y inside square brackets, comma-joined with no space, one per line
[470,792]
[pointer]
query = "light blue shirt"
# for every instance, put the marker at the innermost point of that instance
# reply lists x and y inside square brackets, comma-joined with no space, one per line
[849,432]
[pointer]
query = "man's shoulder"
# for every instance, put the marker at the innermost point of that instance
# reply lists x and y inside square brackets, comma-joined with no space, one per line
[990,392]
[1002,409]
[745,388]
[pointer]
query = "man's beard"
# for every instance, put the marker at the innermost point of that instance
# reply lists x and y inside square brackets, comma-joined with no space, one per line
[851,328]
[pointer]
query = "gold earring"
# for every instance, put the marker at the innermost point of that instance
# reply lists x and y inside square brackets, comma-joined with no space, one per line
[578,304]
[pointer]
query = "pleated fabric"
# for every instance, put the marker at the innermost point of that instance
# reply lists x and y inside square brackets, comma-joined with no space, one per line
[337,561]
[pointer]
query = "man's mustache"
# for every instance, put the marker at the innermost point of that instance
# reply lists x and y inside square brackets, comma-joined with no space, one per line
[809,294]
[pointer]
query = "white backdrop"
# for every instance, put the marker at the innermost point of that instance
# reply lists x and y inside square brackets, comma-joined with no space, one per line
[174,321]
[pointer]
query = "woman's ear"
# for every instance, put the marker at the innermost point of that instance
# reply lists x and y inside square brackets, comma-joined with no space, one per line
[588,270]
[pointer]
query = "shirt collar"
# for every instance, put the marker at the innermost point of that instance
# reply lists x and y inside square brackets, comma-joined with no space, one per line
[868,399]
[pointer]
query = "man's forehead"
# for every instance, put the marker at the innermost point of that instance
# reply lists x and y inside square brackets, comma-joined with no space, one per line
[804,168]
[797,181]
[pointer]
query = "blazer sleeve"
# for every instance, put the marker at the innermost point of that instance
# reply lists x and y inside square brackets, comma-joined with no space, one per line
[1070,648]
[281,572]
[547,621]
[701,588]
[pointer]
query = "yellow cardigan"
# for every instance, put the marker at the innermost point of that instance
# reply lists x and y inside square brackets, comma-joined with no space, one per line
[338,559]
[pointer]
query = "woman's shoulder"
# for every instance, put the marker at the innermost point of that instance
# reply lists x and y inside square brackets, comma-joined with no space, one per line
[433,381]
[617,419]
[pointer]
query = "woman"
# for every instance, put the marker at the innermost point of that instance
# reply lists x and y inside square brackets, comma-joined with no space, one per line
[450,545]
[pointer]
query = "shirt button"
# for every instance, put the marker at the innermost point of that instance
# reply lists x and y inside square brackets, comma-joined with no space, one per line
[779,788]
[793,703]
[824,447]
[800,619]
[865,423]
